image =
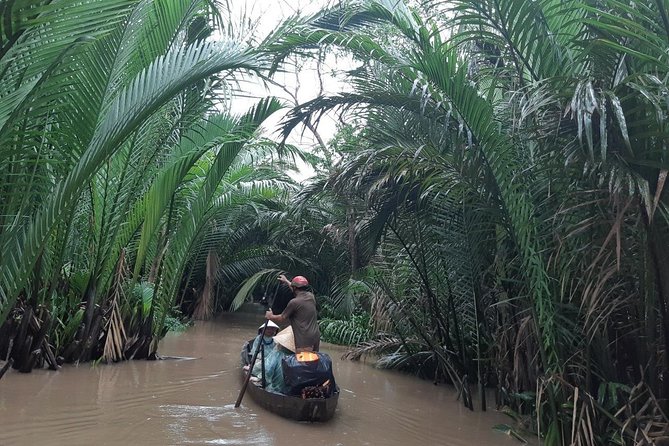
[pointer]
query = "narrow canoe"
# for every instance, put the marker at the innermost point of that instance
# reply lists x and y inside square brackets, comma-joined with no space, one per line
[296,408]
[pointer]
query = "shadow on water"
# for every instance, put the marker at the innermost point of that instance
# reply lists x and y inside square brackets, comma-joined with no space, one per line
[189,399]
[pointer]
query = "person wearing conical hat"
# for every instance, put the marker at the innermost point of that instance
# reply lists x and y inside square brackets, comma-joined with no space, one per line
[268,340]
[301,314]
[284,345]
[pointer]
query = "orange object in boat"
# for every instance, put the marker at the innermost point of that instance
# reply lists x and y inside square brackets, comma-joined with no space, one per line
[306,356]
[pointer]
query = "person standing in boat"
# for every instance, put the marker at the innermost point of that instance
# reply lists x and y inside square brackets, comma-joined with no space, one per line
[301,313]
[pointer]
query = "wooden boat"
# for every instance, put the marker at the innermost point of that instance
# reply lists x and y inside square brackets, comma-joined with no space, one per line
[293,407]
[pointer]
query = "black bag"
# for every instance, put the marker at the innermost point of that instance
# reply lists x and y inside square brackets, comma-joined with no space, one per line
[300,374]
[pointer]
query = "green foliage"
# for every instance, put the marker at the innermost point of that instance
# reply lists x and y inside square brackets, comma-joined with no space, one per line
[352,331]
[143,294]
[120,167]
[494,212]
[504,194]
[177,321]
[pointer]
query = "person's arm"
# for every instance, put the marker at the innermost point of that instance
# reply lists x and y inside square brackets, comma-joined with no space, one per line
[283,279]
[283,317]
[278,318]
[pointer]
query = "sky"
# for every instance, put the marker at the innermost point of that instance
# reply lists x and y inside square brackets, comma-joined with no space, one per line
[259,18]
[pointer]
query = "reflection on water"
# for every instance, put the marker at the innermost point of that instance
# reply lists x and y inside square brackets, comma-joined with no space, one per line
[191,401]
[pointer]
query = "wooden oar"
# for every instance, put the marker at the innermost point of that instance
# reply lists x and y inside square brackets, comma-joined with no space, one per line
[253,361]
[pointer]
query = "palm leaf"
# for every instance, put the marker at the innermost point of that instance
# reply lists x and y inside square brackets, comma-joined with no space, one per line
[164,78]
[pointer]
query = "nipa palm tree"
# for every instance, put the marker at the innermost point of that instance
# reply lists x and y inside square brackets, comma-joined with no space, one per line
[514,155]
[114,163]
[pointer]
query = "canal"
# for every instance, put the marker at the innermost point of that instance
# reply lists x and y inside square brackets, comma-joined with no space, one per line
[190,401]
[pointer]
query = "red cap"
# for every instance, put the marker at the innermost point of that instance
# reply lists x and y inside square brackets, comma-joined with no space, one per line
[299,281]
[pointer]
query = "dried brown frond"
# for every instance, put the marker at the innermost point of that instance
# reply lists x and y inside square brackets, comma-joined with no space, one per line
[204,307]
[382,343]
[116,337]
[639,422]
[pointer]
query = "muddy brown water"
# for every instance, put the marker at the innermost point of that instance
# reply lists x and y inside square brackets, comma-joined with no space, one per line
[191,402]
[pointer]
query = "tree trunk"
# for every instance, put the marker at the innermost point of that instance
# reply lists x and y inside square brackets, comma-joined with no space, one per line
[6,367]
[204,308]
[352,243]
[19,339]
[658,243]
[89,298]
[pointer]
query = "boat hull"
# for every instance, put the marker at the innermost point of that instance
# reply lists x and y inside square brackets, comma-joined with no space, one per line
[313,409]
[296,408]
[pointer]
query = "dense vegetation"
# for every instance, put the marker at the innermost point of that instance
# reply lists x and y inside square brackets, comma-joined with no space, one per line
[122,175]
[492,212]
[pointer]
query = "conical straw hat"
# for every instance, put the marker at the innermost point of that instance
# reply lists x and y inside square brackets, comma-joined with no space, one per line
[286,339]
[270,324]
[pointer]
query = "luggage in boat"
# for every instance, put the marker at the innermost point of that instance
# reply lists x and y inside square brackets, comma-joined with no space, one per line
[308,370]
